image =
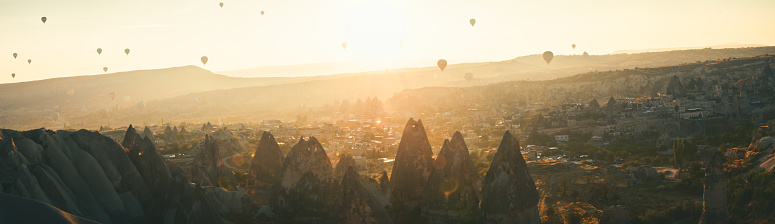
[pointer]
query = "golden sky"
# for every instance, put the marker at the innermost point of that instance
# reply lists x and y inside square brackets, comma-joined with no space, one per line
[178,32]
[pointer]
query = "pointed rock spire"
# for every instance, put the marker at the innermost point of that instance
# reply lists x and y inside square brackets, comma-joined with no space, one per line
[508,192]
[354,204]
[266,166]
[413,165]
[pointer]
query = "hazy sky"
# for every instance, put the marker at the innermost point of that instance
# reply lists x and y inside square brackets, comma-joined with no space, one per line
[178,32]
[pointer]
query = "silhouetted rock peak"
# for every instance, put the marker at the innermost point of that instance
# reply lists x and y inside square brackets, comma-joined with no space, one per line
[306,156]
[674,86]
[354,204]
[593,104]
[307,188]
[208,168]
[508,190]
[453,185]
[413,165]
[147,133]
[267,164]
[345,160]
[384,182]
[611,104]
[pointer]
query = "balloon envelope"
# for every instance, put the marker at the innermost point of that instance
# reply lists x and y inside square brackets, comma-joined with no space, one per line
[105,69]
[548,55]
[442,64]
[55,115]
[43,19]
[204,60]
[14,55]
[99,51]
[262,13]
[574,46]
[221,4]
[104,111]
[344,45]
[13,75]
[127,98]
[126,51]
[472,21]
[141,105]
[112,96]
[469,76]
[29,61]
[70,92]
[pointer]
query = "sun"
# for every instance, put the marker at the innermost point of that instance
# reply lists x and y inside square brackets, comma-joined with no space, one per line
[375,31]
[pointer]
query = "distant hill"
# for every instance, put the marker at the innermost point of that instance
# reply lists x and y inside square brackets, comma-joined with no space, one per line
[192,93]
[720,46]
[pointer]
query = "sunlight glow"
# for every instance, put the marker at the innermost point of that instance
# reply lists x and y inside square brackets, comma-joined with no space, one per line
[374,31]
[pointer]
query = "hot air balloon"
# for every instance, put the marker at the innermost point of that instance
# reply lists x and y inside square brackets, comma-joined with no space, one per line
[84,110]
[104,111]
[344,45]
[574,46]
[112,96]
[29,61]
[14,55]
[400,44]
[262,13]
[468,76]
[472,21]
[43,19]
[141,105]
[99,51]
[127,98]
[442,64]
[105,69]
[126,51]
[204,60]
[70,92]
[55,115]
[13,75]
[221,4]
[548,55]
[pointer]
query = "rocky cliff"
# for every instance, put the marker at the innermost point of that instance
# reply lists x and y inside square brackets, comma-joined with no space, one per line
[89,175]
[412,167]
[509,194]
[345,160]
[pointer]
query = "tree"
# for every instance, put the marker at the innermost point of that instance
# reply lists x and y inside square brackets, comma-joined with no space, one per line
[679,148]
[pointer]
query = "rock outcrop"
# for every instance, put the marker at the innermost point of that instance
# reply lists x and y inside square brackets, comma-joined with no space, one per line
[265,168]
[147,133]
[230,142]
[593,105]
[451,192]
[89,175]
[345,160]
[715,193]
[413,165]
[354,204]
[509,194]
[307,187]
[384,188]
[15,209]
[208,168]
[170,135]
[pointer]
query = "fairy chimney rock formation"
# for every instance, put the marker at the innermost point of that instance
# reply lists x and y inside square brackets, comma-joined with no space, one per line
[509,194]
[354,204]
[413,165]
[266,166]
